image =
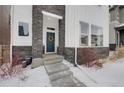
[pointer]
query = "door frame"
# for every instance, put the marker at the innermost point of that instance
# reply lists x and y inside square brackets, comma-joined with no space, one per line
[46,42]
[58,17]
[117,39]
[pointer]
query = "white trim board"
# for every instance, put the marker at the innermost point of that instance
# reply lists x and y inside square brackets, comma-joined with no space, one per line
[52,15]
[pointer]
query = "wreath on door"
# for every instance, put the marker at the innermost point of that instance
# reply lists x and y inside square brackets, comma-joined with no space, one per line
[50,38]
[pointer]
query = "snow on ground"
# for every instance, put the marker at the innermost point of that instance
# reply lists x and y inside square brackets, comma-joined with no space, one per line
[81,75]
[34,78]
[112,74]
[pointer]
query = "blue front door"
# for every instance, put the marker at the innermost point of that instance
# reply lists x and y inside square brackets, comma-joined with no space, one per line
[50,42]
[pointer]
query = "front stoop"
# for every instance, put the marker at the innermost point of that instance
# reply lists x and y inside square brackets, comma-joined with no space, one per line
[66,82]
[56,68]
[60,74]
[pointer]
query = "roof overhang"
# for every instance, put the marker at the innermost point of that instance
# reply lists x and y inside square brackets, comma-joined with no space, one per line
[52,15]
[119,27]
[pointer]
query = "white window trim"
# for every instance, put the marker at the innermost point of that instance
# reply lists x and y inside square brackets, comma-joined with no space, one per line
[89,38]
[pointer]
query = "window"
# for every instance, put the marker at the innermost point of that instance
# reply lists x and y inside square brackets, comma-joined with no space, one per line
[23,29]
[92,36]
[96,35]
[84,33]
[50,28]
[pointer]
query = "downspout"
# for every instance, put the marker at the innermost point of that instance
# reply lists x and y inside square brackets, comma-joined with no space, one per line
[75,63]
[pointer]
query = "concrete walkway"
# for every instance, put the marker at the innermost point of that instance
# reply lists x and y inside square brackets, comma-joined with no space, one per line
[59,73]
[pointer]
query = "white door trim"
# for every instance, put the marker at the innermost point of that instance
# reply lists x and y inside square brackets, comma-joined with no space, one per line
[53,23]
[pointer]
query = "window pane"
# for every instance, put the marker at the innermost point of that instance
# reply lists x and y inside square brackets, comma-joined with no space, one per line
[84,40]
[23,29]
[84,27]
[96,36]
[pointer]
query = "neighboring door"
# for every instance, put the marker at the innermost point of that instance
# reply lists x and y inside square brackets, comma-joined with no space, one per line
[50,42]
[121,37]
[118,39]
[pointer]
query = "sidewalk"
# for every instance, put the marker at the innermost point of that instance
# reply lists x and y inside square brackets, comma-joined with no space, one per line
[111,75]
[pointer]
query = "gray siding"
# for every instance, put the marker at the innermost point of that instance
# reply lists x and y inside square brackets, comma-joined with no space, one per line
[121,12]
[112,32]
[112,15]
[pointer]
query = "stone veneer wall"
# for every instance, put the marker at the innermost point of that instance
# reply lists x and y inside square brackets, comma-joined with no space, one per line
[37,47]
[69,54]
[101,52]
[22,51]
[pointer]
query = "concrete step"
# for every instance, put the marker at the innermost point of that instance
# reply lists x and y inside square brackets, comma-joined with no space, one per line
[55,68]
[78,83]
[67,81]
[64,82]
[49,62]
[59,75]
[52,57]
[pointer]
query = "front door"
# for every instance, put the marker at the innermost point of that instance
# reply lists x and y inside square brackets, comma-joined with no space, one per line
[50,34]
[50,42]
